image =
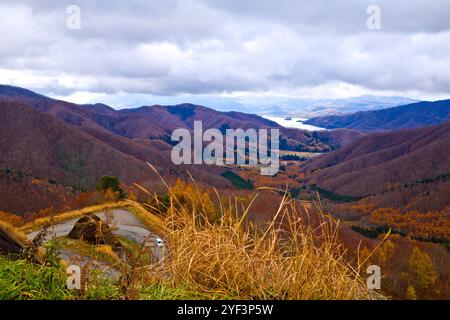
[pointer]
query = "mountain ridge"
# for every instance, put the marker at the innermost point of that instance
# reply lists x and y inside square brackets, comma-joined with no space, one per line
[157,122]
[415,115]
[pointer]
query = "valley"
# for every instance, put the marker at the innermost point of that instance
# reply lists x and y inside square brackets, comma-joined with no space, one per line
[386,188]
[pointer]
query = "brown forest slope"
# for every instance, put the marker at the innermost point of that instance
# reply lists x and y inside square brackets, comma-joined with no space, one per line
[37,143]
[376,162]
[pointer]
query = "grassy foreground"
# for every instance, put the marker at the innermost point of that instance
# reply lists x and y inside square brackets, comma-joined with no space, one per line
[215,253]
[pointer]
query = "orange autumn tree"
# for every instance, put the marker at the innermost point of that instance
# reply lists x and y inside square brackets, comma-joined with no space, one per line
[382,256]
[410,293]
[187,198]
[385,253]
[422,274]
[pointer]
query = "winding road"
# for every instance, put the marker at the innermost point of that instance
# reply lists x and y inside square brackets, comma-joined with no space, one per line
[123,223]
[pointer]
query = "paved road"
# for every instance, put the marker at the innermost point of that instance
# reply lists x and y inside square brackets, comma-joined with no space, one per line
[122,223]
[108,270]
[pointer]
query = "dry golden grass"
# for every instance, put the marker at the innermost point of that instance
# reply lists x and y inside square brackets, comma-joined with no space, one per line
[107,251]
[10,218]
[231,258]
[150,220]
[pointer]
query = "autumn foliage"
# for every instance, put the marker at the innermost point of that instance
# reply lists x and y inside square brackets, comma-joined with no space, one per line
[434,225]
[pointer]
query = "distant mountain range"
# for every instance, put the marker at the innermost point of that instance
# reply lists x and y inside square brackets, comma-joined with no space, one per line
[268,106]
[413,115]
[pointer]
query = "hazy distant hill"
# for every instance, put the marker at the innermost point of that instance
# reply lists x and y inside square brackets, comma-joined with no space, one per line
[413,115]
[266,105]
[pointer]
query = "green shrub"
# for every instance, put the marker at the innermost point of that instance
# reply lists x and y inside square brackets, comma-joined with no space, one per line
[111,182]
[237,181]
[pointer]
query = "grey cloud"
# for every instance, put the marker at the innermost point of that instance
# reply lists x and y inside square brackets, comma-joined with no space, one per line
[343,15]
[210,46]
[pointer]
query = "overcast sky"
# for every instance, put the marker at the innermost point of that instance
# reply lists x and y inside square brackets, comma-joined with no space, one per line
[169,48]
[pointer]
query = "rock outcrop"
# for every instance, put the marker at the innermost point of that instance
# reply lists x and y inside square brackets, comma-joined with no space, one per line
[93,230]
[9,245]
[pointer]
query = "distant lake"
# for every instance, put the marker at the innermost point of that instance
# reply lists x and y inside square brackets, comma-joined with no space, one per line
[292,122]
